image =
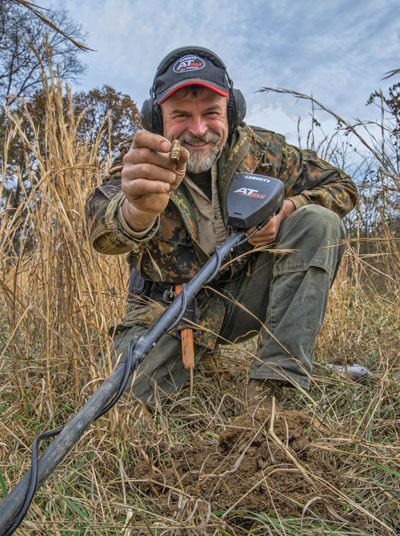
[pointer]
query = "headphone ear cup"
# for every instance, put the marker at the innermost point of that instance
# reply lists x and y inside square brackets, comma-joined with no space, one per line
[146,114]
[158,127]
[240,102]
[151,117]
[236,109]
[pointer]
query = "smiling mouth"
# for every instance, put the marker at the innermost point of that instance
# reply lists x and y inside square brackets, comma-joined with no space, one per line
[197,146]
[198,143]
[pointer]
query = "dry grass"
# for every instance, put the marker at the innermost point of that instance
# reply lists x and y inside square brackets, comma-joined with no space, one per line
[58,299]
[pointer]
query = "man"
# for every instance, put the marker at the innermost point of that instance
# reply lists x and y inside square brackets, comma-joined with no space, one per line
[169,217]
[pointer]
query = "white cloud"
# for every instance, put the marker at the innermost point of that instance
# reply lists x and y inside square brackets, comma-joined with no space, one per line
[337,51]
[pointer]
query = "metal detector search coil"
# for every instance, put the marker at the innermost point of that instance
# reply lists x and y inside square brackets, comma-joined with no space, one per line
[253,199]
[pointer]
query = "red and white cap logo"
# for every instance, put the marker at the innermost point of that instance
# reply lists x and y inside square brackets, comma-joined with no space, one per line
[188,63]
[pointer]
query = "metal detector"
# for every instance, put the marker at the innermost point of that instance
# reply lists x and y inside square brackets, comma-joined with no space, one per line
[252,200]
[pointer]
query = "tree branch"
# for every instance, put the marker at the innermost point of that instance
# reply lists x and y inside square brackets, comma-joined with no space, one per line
[32,7]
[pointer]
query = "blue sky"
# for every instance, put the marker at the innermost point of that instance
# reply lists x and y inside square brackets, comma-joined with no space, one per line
[338,51]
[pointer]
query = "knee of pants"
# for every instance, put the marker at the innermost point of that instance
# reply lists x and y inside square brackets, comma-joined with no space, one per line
[318,219]
[315,235]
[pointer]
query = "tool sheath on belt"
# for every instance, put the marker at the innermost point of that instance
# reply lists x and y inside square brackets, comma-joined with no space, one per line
[186,330]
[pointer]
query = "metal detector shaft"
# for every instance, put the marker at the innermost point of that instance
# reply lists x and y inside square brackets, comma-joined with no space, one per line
[73,431]
[166,320]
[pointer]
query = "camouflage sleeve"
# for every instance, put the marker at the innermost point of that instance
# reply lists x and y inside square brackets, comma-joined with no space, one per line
[106,231]
[309,179]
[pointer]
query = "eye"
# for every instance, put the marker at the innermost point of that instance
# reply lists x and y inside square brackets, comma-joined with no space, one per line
[181,116]
[213,115]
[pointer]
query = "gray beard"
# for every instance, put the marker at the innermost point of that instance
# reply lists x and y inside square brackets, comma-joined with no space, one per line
[198,163]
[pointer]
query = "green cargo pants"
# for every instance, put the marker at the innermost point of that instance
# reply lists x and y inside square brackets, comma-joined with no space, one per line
[284,300]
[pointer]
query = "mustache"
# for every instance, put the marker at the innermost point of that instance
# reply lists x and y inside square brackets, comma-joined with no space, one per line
[209,137]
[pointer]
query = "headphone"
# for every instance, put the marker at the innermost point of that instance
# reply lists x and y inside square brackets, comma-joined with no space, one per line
[151,111]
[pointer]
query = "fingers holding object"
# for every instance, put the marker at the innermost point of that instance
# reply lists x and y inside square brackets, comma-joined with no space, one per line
[139,179]
[152,165]
[146,161]
[147,148]
[138,188]
[148,140]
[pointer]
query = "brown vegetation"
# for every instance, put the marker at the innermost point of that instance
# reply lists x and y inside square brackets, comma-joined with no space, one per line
[330,464]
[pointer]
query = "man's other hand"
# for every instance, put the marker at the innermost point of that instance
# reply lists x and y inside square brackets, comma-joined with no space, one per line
[148,178]
[267,234]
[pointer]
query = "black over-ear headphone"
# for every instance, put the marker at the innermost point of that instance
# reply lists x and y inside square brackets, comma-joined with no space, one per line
[151,111]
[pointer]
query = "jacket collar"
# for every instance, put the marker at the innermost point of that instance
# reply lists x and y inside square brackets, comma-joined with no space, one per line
[244,155]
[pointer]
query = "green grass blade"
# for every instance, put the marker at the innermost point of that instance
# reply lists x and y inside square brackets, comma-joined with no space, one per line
[3,487]
[387,469]
[78,511]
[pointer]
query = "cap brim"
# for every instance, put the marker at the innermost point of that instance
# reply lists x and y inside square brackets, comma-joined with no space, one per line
[190,82]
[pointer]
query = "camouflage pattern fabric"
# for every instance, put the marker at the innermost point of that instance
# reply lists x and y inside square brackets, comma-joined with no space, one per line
[171,252]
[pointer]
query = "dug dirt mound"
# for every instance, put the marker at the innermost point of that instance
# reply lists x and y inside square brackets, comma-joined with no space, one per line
[254,466]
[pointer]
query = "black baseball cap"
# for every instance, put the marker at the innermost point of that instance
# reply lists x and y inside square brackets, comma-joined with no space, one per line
[196,66]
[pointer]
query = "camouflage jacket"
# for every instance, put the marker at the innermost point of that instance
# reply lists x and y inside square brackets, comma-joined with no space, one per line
[172,253]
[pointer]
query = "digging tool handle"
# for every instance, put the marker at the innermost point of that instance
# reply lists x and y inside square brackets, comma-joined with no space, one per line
[186,340]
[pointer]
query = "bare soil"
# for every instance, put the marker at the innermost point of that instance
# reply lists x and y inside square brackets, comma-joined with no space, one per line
[250,467]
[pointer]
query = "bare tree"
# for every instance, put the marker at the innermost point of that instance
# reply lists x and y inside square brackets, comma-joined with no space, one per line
[24,38]
[38,11]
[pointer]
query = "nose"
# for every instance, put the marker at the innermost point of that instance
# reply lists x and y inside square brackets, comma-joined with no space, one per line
[198,126]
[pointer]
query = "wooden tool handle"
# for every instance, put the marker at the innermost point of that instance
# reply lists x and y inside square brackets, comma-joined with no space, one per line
[186,340]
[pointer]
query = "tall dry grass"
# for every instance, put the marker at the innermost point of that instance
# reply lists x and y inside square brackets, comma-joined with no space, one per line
[58,300]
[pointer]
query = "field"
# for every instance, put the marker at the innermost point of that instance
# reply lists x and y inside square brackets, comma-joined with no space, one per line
[197,464]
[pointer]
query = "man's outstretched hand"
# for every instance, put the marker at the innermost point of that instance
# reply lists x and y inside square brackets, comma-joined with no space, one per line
[148,178]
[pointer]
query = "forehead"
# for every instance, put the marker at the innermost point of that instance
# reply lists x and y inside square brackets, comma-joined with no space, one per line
[194,96]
